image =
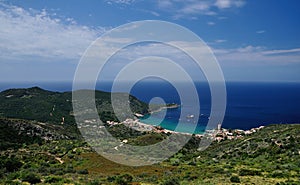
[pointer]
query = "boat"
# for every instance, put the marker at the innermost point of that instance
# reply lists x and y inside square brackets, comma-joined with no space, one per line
[190,116]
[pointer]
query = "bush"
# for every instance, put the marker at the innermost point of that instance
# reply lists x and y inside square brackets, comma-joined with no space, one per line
[124,179]
[10,164]
[245,172]
[13,182]
[12,176]
[171,181]
[94,182]
[235,179]
[84,171]
[52,179]
[69,169]
[31,178]
[111,178]
[175,161]
[278,174]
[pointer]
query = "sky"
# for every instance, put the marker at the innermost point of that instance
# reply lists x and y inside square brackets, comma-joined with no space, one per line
[253,40]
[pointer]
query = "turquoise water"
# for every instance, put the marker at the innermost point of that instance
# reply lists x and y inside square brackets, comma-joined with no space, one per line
[171,121]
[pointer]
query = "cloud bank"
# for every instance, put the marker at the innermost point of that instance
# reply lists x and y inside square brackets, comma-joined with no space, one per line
[27,35]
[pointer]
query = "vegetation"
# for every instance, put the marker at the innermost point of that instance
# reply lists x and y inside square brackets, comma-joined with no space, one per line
[46,106]
[38,151]
[235,179]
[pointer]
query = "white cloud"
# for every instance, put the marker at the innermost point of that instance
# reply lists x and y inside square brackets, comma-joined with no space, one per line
[222,4]
[120,1]
[243,56]
[256,56]
[149,11]
[211,23]
[31,35]
[154,13]
[232,61]
[260,31]
[252,63]
[286,51]
[165,4]
[187,8]
[195,8]
[220,41]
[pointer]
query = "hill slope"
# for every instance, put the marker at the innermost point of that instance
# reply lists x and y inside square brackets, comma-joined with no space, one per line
[46,106]
[45,151]
[36,148]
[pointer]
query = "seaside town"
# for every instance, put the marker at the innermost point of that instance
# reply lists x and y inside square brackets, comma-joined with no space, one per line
[218,134]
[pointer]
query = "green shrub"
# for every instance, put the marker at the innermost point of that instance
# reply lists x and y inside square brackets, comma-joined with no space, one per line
[246,172]
[111,178]
[32,178]
[124,179]
[171,181]
[10,164]
[84,171]
[94,182]
[175,161]
[12,176]
[219,170]
[69,169]
[278,174]
[235,179]
[53,179]
[13,182]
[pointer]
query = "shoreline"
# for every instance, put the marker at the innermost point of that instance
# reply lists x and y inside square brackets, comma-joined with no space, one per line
[217,134]
[136,124]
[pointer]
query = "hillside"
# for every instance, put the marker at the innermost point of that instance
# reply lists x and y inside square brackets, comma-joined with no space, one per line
[36,148]
[46,106]
[270,156]
[43,153]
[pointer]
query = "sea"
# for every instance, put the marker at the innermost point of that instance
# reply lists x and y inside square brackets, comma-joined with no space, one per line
[249,104]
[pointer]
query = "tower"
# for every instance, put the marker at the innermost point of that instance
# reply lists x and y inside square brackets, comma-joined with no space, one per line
[219,126]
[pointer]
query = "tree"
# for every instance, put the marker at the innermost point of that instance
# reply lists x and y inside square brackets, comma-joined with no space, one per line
[31,178]
[235,179]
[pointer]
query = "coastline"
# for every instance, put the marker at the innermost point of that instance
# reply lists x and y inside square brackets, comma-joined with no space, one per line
[218,134]
[136,124]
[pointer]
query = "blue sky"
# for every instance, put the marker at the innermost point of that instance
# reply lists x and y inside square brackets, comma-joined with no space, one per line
[253,40]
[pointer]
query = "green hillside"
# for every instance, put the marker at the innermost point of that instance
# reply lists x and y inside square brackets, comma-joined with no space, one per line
[46,106]
[46,154]
[36,148]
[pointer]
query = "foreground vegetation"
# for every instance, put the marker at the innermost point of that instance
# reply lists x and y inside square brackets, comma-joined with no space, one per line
[270,156]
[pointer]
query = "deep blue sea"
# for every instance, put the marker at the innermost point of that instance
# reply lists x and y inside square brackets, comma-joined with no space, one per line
[249,104]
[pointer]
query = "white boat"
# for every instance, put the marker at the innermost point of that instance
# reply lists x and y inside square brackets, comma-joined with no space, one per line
[190,116]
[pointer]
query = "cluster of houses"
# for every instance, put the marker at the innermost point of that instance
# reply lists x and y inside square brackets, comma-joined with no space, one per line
[134,124]
[224,134]
[220,134]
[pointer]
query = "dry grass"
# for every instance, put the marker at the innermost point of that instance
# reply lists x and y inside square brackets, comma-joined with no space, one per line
[98,165]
